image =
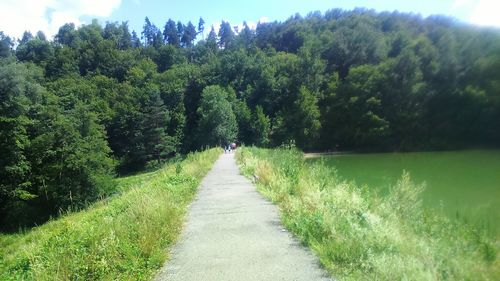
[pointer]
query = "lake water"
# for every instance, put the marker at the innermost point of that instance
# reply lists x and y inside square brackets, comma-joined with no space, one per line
[463,184]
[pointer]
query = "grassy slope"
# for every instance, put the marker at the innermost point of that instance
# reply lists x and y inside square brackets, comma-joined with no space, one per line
[360,237]
[124,238]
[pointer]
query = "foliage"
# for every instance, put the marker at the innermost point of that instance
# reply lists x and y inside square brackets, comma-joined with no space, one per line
[123,238]
[359,236]
[97,95]
[51,159]
[217,125]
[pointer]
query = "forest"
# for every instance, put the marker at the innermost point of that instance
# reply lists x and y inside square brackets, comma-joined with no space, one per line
[99,101]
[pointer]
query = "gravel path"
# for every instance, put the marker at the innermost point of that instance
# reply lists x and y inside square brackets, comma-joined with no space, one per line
[233,233]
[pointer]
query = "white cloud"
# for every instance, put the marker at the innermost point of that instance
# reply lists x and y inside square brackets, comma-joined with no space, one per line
[486,13]
[481,12]
[461,3]
[251,25]
[263,19]
[49,15]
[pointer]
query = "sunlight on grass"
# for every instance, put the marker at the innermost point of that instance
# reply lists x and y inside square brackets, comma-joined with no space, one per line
[361,236]
[124,238]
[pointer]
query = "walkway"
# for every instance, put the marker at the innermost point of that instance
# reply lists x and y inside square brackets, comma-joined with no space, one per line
[233,233]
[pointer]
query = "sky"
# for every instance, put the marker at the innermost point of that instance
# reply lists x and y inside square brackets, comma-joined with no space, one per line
[16,16]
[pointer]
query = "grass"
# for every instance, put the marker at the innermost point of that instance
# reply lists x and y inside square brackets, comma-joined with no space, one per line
[124,238]
[360,236]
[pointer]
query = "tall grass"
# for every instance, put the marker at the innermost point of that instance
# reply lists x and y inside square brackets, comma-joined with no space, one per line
[360,236]
[124,238]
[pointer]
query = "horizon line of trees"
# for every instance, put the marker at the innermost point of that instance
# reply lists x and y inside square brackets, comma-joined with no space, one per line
[99,101]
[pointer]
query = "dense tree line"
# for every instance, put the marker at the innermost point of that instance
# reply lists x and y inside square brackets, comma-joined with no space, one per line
[99,100]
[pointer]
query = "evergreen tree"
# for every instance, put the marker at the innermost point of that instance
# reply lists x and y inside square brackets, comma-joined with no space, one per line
[149,32]
[135,41]
[226,35]
[26,37]
[212,37]
[246,36]
[180,32]
[357,79]
[158,40]
[5,45]
[189,35]
[201,26]
[125,40]
[157,144]
[170,33]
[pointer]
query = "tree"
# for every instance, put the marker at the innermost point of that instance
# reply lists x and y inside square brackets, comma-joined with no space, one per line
[64,62]
[246,37]
[158,40]
[354,44]
[67,35]
[27,36]
[16,88]
[125,40]
[36,50]
[136,42]
[170,33]
[217,125]
[261,127]
[71,162]
[357,79]
[305,123]
[167,57]
[355,117]
[201,26]
[243,116]
[212,38]
[53,157]
[226,35]
[119,34]
[5,45]
[189,35]
[157,144]
[180,31]
[149,32]
[41,36]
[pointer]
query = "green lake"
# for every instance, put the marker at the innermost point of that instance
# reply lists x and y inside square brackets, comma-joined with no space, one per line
[462,184]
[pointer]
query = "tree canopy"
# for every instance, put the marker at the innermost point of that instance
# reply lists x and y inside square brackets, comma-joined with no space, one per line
[98,100]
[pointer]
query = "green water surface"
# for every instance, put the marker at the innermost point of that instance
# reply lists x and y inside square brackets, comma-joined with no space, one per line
[461,184]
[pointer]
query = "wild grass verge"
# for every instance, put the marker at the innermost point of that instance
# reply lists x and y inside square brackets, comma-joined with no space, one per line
[359,236]
[124,238]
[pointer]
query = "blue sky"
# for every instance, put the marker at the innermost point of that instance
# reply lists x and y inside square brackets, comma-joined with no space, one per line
[49,15]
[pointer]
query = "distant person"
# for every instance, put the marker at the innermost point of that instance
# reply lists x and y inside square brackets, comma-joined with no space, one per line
[233,146]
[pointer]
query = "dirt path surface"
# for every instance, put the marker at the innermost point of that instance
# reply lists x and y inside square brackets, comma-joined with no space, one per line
[233,233]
